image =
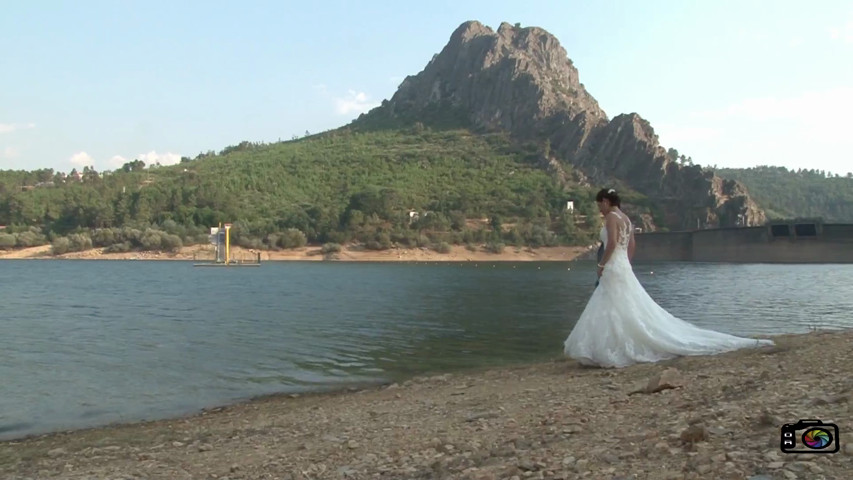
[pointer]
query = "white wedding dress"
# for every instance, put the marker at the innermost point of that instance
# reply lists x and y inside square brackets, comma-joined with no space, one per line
[621,324]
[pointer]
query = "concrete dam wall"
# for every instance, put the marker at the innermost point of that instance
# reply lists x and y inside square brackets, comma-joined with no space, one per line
[777,242]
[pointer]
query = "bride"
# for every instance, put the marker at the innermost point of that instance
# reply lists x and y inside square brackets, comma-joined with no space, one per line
[622,325]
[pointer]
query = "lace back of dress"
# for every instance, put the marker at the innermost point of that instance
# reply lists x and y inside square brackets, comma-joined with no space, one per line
[624,234]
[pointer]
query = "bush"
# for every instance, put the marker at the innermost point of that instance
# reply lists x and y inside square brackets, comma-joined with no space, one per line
[198,238]
[381,241]
[495,247]
[151,240]
[170,226]
[118,248]
[79,242]
[60,245]
[405,238]
[103,237]
[171,242]
[542,237]
[131,235]
[331,248]
[442,247]
[474,236]
[337,237]
[514,237]
[31,239]
[251,242]
[293,238]
[7,240]
[272,241]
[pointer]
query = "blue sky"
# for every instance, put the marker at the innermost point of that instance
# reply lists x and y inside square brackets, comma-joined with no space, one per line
[731,83]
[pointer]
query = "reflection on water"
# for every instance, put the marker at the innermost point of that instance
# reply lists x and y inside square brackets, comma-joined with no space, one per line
[89,342]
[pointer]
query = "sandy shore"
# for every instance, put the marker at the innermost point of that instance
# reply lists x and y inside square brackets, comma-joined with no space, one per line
[554,420]
[314,253]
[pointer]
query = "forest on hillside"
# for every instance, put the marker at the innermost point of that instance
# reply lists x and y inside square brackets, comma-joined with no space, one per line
[409,187]
[801,193]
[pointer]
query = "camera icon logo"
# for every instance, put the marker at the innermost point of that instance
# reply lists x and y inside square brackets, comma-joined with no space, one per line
[809,436]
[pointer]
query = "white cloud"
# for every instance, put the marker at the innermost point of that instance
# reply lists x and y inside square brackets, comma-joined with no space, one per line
[354,102]
[11,127]
[164,159]
[115,162]
[672,135]
[807,130]
[752,36]
[81,159]
[843,33]
[815,107]
[11,152]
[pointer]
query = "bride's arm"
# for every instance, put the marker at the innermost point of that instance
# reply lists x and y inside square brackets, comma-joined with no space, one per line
[631,246]
[611,225]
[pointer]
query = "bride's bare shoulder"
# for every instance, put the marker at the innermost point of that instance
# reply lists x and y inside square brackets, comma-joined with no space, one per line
[616,217]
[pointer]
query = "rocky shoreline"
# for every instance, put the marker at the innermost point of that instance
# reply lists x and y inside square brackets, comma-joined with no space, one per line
[350,253]
[697,417]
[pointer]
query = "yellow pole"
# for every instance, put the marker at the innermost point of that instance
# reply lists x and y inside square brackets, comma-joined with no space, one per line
[227,244]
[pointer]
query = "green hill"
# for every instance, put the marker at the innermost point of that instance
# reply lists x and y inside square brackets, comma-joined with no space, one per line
[341,186]
[784,193]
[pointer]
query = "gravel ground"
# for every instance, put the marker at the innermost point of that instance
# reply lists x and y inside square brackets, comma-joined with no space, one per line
[698,417]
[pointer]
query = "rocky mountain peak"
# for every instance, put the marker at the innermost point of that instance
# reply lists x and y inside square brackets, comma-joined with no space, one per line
[521,80]
[512,79]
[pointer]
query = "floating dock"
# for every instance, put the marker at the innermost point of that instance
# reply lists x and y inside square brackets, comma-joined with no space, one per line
[220,238]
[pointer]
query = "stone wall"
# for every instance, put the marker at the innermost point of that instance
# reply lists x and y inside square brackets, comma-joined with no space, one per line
[791,242]
[676,246]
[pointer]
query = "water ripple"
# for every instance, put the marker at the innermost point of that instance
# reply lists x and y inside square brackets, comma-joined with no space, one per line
[88,343]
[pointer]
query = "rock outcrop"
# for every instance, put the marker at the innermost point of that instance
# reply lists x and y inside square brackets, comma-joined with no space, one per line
[521,80]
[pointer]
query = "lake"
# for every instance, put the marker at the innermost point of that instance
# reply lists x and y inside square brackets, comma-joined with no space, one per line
[86,343]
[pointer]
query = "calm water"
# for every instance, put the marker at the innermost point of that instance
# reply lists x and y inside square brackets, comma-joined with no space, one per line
[88,343]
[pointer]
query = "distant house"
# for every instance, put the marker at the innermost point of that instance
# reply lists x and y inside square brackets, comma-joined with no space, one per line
[413,216]
[570,206]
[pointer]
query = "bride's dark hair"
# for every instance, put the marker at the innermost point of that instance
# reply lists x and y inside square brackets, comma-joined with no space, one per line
[610,194]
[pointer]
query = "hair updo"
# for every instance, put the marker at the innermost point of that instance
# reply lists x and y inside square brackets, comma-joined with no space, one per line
[609,194]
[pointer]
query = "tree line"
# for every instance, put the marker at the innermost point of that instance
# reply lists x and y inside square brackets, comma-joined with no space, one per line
[406,187]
